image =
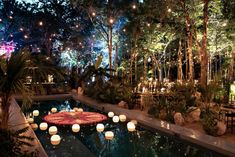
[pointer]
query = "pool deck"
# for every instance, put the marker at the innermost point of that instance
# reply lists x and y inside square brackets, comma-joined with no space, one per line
[216,144]
[18,121]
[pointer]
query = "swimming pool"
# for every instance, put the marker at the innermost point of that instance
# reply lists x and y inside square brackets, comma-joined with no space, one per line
[89,142]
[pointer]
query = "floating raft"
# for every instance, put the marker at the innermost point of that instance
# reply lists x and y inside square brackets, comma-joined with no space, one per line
[70,118]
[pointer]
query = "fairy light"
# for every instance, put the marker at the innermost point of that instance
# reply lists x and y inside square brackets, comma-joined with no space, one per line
[26,37]
[224,24]
[169,10]
[111,20]
[40,23]
[148,24]
[21,29]
[0,20]
[10,17]
[93,14]
[124,30]
[76,26]
[133,6]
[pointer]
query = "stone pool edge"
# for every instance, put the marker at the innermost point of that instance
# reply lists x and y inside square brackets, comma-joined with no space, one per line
[216,144]
[18,120]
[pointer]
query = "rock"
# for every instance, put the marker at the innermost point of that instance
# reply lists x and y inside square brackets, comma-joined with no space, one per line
[195,115]
[178,118]
[80,91]
[122,104]
[221,128]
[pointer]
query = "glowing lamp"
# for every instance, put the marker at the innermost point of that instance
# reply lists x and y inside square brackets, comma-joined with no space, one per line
[100,127]
[115,119]
[163,89]
[76,128]
[52,130]
[34,126]
[109,135]
[55,139]
[110,114]
[53,110]
[30,120]
[111,21]
[130,126]
[35,113]
[122,117]
[43,126]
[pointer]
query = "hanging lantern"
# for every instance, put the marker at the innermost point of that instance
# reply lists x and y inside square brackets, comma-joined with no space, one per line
[115,119]
[109,135]
[55,139]
[76,128]
[34,126]
[53,130]
[35,113]
[53,110]
[122,117]
[110,114]
[100,127]
[43,126]
[130,126]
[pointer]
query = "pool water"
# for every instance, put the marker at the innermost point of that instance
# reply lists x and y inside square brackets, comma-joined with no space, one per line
[88,142]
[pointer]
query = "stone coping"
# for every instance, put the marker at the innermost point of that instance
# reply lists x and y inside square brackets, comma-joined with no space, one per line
[18,121]
[216,144]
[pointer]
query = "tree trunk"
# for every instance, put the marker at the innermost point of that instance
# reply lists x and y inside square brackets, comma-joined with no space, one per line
[110,47]
[188,25]
[136,68]
[116,58]
[231,70]
[5,111]
[204,58]
[180,70]
[190,55]
[145,68]
[131,63]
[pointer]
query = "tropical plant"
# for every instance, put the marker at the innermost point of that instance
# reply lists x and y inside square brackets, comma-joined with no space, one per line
[13,72]
[209,121]
[13,142]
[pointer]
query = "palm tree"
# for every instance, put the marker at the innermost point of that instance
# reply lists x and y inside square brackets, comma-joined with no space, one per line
[13,72]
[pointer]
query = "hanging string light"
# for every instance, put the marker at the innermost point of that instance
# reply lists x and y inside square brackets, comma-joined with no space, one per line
[111,20]
[134,6]
[93,14]
[40,23]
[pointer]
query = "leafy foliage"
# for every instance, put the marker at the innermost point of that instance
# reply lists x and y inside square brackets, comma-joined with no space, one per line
[209,121]
[13,142]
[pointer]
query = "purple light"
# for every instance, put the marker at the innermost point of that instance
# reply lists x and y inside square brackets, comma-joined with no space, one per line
[6,48]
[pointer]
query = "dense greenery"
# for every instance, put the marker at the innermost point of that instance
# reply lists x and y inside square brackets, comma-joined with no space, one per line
[13,144]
